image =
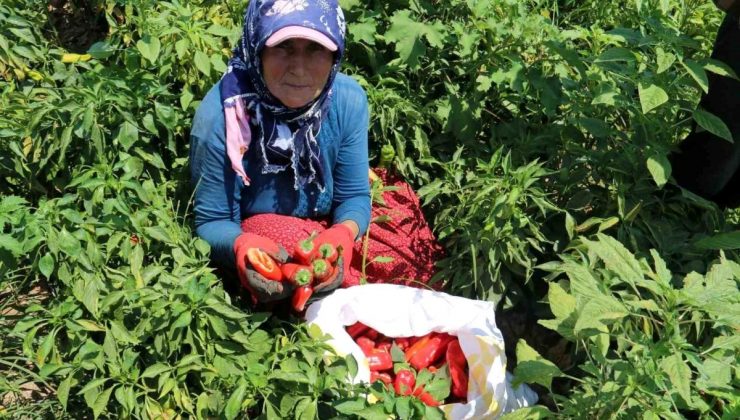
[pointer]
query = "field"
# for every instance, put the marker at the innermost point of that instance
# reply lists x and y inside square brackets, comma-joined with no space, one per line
[536,133]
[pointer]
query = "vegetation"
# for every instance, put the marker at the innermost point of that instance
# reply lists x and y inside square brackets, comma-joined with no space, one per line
[536,133]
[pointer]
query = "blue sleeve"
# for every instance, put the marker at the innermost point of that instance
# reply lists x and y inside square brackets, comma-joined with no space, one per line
[351,186]
[217,191]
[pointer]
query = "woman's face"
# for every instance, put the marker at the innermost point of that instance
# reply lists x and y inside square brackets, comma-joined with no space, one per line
[296,70]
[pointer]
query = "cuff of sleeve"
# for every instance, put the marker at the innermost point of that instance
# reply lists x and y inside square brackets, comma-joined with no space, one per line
[357,217]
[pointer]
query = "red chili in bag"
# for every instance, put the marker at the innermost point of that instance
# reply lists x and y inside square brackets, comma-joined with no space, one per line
[458,366]
[379,360]
[427,399]
[432,350]
[381,376]
[404,382]
[356,329]
[418,345]
[402,342]
[366,345]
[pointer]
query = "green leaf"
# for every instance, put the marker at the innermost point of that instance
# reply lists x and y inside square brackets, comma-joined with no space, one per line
[407,32]
[46,265]
[233,405]
[101,402]
[149,48]
[651,97]
[660,169]
[720,68]
[727,240]
[63,390]
[536,412]
[382,259]
[616,258]
[679,374]
[128,134]
[665,60]
[615,54]
[533,368]
[562,304]
[697,73]
[101,50]
[155,370]
[202,63]
[713,124]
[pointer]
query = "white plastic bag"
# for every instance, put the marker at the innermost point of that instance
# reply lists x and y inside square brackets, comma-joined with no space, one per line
[400,311]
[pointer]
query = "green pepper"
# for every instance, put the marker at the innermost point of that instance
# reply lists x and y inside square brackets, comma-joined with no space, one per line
[387,154]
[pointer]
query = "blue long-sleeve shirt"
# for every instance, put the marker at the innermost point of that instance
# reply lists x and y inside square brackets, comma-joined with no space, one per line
[221,200]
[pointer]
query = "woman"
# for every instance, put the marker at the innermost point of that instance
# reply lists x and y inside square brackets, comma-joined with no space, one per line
[704,163]
[279,145]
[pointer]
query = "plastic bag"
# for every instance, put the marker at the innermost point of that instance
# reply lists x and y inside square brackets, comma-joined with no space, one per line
[400,311]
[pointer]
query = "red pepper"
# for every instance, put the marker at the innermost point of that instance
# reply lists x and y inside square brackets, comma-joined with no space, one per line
[264,264]
[356,329]
[300,297]
[298,275]
[379,360]
[418,345]
[430,351]
[372,334]
[328,252]
[304,250]
[380,376]
[458,366]
[366,345]
[385,346]
[402,343]
[427,398]
[404,382]
[321,269]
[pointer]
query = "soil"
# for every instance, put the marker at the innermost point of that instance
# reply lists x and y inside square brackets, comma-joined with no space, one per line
[77,23]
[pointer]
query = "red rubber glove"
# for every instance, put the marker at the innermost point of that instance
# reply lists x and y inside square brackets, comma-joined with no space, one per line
[262,289]
[338,235]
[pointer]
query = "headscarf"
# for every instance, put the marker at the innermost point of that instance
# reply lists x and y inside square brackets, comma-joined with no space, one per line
[243,90]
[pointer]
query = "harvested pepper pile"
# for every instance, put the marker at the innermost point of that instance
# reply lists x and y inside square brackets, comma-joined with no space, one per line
[431,368]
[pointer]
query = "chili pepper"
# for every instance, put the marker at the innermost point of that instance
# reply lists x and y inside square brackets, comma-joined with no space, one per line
[404,382]
[372,334]
[379,360]
[387,153]
[321,269]
[385,346]
[380,376]
[427,399]
[366,345]
[356,329]
[264,264]
[402,343]
[300,297]
[299,275]
[432,369]
[432,350]
[304,250]
[418,345]
[458,367]
[328,252]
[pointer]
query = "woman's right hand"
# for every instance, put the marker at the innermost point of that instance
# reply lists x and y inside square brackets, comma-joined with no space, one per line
[261,288]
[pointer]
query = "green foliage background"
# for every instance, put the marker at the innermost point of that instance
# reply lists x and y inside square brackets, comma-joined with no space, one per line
[536,133]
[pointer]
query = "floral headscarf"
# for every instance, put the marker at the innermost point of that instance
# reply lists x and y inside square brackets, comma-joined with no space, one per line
[283,132]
